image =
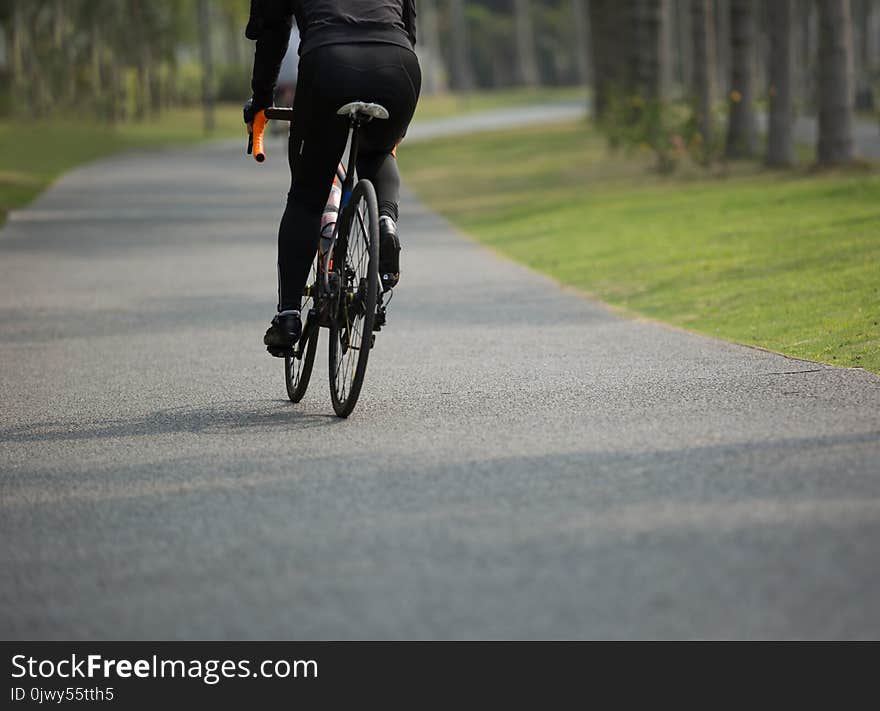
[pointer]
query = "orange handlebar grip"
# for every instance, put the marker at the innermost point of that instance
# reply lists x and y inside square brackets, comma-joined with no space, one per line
[259,130]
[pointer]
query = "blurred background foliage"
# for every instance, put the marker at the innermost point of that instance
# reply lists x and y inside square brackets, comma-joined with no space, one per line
[666,74]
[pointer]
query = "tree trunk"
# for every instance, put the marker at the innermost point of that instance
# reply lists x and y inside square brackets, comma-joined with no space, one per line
[805,54]
[857,13]
[647,46]
[865,38]
[872,35]
[780,136]
[17,50]
[722,46]
[761,74]
[742,135]
[112,73]
[95,62]
[144,80]
[58,25]
[684,41]
[172,90]
[835,83]
[581,41]
[204,19]
[703,77]
[666,48]
[812,51]
[525,44]
[611,24]
[600,25]
[462,74]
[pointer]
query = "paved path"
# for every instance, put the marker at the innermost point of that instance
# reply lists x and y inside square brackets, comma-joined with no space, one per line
[522,464]
[498,118]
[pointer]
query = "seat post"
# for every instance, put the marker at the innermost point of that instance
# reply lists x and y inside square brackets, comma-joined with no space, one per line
[348,184]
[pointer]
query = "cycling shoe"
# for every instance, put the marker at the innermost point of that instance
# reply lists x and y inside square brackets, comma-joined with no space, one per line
[389,253]
[283,333]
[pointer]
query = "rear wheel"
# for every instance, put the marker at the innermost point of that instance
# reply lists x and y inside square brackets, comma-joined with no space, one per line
[356,272]
[298,368]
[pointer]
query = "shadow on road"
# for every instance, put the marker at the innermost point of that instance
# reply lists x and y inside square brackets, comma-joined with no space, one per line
[494,492]
[232,416]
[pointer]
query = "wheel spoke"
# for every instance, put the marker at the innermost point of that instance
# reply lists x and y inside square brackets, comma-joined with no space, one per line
[352,311]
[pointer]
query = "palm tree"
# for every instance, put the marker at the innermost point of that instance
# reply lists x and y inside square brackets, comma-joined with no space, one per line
[462,74]
[704,61]
[606,71]
[204,20]
[525,44]
[16,48]
[835,83]
[682,38]
[582,40]
[646,45]
[429,48]
[722,45]
[780,139]
[742,135]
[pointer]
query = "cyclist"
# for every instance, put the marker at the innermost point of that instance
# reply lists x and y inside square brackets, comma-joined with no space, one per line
[350,50]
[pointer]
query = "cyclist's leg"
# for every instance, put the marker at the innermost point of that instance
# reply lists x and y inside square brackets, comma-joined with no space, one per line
[317,139]
[395,83]
[381,169]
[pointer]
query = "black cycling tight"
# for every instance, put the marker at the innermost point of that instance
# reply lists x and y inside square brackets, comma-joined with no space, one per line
[329,77]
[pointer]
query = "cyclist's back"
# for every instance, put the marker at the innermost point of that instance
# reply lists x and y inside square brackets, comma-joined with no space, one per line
[350,50]
[322,22]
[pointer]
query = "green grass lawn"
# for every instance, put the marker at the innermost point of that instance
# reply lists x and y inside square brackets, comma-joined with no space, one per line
[785,261]
[33,154]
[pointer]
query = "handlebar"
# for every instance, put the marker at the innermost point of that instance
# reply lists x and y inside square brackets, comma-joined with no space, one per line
[256,141]
[279,114]
[258,135]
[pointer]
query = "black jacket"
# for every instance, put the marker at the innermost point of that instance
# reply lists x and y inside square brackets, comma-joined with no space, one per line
[321,22]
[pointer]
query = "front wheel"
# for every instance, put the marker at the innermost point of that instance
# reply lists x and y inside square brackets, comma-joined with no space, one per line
[298,370]
[356,271]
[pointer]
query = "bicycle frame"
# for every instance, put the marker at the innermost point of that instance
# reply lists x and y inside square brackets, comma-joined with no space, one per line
[325,294]
[346,295]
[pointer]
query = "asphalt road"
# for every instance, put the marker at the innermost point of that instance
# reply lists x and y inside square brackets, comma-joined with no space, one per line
[523,463]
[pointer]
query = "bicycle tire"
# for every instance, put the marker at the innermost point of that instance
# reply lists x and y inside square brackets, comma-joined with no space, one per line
[355,309]
[297,382]
[298,371]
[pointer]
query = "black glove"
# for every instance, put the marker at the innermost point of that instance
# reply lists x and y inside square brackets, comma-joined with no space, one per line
[254,105]
[249,111]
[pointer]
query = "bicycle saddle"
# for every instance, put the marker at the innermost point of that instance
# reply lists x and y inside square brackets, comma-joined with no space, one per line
[364,109]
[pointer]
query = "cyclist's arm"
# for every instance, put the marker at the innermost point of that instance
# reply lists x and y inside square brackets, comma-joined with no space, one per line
[269,24]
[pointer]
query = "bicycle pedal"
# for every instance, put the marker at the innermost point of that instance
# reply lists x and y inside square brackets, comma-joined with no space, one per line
[381,319]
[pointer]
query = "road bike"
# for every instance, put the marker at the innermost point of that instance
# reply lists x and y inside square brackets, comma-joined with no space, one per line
[342,293]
